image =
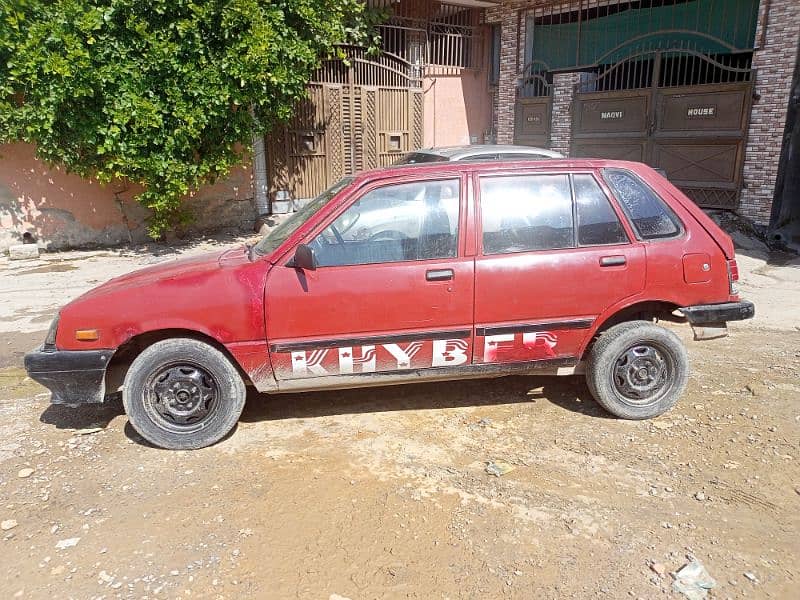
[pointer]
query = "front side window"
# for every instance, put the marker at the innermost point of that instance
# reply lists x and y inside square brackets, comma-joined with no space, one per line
[407,221]
[598,224]
[650,216]
[279,235]
[527,212]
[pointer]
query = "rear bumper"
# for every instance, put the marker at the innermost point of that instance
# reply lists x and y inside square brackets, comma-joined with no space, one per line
[72,376]
[703,314]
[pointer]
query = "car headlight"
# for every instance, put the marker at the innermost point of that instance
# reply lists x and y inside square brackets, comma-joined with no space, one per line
[50,340]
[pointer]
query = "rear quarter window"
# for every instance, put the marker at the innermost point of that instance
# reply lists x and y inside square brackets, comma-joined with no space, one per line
[650,216]
[597,222]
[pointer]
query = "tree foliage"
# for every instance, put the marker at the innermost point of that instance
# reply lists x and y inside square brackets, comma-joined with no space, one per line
[164,93]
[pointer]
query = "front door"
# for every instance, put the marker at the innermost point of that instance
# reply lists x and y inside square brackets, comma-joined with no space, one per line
[553,256]
[392,293]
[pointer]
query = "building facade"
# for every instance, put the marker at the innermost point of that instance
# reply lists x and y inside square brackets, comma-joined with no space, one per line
[699,88]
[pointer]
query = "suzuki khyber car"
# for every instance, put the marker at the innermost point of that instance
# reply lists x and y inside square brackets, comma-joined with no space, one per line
[412,273]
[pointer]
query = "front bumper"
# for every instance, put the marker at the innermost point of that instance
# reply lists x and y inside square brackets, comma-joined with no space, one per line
[72,376]
[703,314]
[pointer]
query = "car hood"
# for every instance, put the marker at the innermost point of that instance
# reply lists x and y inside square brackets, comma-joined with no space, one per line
[173,269]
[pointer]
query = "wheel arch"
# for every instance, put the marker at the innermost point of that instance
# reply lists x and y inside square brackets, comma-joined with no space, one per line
[641,310]
[125,354]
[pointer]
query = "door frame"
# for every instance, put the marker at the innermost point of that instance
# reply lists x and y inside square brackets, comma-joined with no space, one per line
[432,334]
[573,326]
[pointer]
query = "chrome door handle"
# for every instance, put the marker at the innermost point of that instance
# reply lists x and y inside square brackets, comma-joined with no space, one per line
[612,261]
[439,274]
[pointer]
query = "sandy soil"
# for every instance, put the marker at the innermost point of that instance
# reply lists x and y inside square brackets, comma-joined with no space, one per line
[383,493]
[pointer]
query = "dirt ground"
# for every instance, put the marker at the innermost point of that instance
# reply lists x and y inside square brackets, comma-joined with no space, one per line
[383,493]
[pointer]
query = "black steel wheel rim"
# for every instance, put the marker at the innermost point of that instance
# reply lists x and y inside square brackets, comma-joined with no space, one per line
[643,374]
[181,397]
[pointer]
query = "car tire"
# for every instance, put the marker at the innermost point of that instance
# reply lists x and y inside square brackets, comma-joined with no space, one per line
[183,394]
[637,370]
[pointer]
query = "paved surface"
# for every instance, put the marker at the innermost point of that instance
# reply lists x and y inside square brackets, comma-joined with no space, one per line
[383,493]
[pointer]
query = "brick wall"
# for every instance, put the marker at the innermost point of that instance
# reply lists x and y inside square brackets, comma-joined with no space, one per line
[774,64]
[503,113]
[561,121]
[510,15]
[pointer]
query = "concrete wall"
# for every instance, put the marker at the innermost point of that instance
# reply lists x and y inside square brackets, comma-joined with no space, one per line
[62,210]
[458,107]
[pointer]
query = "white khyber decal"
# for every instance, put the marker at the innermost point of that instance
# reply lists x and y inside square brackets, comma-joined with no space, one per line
[490,344]
[303,363]
[449,353]
[351,360]
[366,360]
[403,357]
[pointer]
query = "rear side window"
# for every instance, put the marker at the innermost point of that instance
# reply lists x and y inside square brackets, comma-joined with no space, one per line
[598,224]
[523,213]
[650,216]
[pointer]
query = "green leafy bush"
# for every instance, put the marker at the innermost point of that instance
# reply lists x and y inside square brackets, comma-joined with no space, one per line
[164,93]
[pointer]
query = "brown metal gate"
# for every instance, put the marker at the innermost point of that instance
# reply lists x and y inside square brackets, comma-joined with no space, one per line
[360,114]
[532,110]
[687,114]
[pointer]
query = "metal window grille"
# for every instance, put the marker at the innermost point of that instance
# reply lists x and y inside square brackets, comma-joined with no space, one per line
[700,41]
[448,36]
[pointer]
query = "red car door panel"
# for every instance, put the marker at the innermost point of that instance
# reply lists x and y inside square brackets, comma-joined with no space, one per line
[537,303]
[368,318]
[387,316]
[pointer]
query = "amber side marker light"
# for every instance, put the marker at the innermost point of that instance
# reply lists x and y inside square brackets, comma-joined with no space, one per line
[87,335]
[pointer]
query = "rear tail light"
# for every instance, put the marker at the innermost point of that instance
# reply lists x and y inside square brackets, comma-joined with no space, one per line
[733,277]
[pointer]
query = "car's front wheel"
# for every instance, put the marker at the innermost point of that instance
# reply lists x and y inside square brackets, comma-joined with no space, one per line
[637,370]
[183,394]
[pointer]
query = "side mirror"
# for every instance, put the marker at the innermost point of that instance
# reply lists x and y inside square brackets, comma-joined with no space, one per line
[304,258]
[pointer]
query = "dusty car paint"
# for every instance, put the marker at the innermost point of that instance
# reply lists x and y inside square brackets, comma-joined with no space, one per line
[289,328]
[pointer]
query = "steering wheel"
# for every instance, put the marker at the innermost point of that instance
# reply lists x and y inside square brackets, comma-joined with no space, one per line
[337,235]
[387,235]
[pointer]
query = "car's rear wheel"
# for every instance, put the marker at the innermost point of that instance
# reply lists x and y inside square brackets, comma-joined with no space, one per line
[183,394]
[637,370]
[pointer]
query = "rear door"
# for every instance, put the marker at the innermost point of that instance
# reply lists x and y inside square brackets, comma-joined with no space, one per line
[553,254]
[393,292]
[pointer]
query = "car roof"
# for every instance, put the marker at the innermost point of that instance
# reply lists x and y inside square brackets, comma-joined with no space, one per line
[492,166]
[458,152]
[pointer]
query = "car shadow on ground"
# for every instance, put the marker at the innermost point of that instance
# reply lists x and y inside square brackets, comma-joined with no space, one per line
[569,393]
[84,416]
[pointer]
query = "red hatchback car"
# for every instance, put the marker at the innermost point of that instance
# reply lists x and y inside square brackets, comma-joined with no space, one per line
[407,274]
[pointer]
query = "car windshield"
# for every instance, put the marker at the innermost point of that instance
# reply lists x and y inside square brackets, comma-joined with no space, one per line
[279,235]
[420,157]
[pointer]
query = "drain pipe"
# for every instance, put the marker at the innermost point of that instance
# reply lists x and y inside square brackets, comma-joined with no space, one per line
[260,182]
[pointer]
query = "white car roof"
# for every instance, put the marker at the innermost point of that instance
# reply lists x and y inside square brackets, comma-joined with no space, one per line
[462,152]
